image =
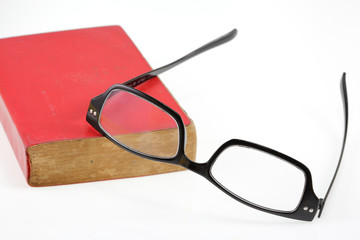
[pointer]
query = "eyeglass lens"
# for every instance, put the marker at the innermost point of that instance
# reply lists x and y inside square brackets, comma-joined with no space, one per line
[140,125]
[259,178]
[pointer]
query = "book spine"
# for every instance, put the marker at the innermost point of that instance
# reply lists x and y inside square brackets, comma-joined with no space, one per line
[14,137]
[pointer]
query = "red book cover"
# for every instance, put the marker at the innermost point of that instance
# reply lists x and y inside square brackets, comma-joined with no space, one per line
[47,81]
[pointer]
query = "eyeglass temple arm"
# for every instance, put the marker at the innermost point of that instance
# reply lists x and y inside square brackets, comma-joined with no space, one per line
[346,115]
[146,76]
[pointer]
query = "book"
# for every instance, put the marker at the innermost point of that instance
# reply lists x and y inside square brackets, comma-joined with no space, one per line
[46,83]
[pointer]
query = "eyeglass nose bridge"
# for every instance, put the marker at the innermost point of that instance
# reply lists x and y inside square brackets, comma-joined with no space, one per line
[199,168]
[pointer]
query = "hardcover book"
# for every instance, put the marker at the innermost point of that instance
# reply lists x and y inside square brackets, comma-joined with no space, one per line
[46,83]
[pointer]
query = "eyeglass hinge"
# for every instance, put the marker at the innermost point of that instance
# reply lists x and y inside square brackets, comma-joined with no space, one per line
[321,206]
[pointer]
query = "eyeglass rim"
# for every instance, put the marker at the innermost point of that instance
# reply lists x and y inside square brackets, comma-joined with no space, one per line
[308,200]
[98,103]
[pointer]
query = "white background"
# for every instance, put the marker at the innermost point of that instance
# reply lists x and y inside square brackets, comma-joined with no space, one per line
[276,84]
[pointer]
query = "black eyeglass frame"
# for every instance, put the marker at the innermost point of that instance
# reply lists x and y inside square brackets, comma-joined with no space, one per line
[309,203]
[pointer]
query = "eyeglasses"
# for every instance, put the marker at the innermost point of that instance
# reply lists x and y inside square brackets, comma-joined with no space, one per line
[239,168]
